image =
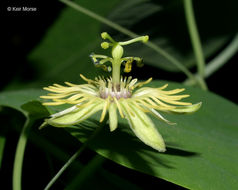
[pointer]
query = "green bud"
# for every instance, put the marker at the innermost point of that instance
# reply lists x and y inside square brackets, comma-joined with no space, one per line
[104,35]
[105,45]
[145,38]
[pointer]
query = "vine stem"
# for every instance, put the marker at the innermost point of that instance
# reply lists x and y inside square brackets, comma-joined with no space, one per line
[132,35]
[196,42]
[219,60]
[223,57]
[19,155]
[72,158]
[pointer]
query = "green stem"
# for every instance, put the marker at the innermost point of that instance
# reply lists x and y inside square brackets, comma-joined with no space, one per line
[116,69]
[86,173]
[222,58]
[99,18]
[171,59]
[72,158]
[2,146]
[219,60]
[194,36]
[132,35]
[19,155]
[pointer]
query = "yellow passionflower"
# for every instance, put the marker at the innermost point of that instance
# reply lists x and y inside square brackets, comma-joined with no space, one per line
[117,94]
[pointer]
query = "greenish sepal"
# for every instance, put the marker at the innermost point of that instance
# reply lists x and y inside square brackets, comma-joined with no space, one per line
[186,109]
[160,117]
[75,117]
[144,128]
[113,120]
[44,124]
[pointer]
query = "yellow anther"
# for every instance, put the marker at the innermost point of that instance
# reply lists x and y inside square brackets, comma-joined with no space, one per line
[139,63]
[128,65]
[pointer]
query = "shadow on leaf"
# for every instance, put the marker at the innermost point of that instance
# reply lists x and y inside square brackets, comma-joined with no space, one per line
[124,148]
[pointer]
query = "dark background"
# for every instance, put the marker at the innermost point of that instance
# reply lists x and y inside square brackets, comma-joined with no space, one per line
[20,33]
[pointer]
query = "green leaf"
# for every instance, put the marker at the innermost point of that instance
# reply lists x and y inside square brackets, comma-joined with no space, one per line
[25,101]
[15,99]
[164,21]
[201,148]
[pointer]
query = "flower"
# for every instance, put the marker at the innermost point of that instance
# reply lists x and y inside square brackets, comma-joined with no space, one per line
[117,94]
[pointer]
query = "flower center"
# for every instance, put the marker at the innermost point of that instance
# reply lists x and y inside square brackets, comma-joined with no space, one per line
[115,92]
[109,89]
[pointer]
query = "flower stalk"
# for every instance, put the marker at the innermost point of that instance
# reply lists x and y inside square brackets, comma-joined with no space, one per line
[117,53]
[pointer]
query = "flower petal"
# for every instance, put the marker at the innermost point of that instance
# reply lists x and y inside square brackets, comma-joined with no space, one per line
[113,121]
[186,109]
[143,127]
[64,112]
[75,117]
[160,117]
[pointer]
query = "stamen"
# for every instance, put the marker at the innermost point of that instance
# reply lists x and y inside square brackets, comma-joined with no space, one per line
[128,65]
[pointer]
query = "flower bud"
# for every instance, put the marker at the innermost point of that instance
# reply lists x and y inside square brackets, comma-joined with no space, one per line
[104,35]
[105,45]
[145,38]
